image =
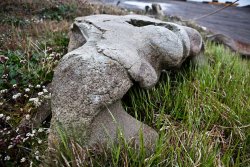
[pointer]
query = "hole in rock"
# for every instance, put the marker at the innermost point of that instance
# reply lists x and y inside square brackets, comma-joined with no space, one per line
[142,23]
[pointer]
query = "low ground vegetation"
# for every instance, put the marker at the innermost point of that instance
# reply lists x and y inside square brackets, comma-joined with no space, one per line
[202,113]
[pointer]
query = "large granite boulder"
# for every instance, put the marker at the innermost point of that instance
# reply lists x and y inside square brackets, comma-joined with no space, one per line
[107,54]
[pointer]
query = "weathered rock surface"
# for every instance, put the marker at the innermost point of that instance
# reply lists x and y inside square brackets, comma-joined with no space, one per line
[107,54]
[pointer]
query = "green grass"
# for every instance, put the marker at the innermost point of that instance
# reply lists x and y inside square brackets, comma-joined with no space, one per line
[201,113]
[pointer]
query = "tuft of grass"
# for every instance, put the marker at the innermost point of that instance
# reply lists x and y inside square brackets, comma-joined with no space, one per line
[206,110]
[71,153]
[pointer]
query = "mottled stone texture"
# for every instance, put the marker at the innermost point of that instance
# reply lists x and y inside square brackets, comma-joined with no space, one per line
[107,54]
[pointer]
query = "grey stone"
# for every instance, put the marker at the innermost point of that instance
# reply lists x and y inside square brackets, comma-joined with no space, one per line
[107,54]
[156,11]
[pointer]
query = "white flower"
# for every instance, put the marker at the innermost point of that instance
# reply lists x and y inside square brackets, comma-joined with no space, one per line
[4,91]
[23,61]
[36,101]
[40,93]
[7,158]
[40,130]
[28,134]
[26,95]
[33,99]
[31,86]
[39,141]
[37,158]
[38,86]
[16,96]
[14,86]
[1,115]
[33,131]
[43,87]
[10,146]
[17,130]
[7,118]
[27,117]
[45,90]
[23,160]
[37,153]
[27,89]
[5,76]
